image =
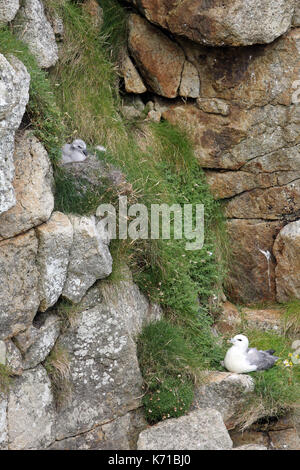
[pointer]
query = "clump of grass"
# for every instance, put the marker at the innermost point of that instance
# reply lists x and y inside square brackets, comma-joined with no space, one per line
[57,365]
[66,311]
[171,358]
[291,317]
[5,378]
[167,363]
[277,390]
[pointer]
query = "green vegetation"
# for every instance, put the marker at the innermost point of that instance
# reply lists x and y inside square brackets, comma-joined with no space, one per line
[57,365]
[80,98]
[5,378]
[291,317]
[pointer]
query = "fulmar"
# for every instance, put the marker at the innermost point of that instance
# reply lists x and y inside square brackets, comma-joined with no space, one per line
[240,359]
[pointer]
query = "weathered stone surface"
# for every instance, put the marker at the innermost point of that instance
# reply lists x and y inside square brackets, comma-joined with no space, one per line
[32,27]
[270,204]
[213,106]
[132,79]
[8,10]
[286,439]
[252,276]
[267,319]
[38,340]
[160,60]
[131,304]
[55,241]
[250,447]
[14,95]
[14,360]
[199,430]
[19,298]
[190,82]
[105,376]
[89,260]
[2,352]
[264,319]
[225,392]
[219,23]
[31,411]
[3,421]
[296,18]
[287,252]
[33,185]
[118,434]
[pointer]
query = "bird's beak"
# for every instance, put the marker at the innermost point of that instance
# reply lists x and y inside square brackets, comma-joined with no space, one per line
[85,152]
[230,340]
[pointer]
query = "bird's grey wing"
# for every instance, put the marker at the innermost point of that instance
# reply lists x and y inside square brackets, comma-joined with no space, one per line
[66,153]
[262,359]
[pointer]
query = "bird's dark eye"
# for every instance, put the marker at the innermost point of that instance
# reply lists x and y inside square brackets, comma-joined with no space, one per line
[239,339]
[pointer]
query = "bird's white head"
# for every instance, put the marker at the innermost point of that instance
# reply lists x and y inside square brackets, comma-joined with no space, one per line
[240,341]
[80,145]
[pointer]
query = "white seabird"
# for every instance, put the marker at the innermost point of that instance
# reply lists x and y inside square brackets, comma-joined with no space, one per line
[239,358]
[74,152]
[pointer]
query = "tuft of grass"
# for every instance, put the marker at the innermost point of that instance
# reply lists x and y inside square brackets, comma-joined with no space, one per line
[171,358]
[5,378]
[57,365]
[291,317]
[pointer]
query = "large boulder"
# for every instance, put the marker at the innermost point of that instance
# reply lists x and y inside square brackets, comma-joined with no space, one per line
[161,61]
[38,340]
[199,430]
[14,95]
[225,392]
[33,185]
[31,411]
[8,10]
[55,240]
[287,252]
[19,298]
[104,373]
[32,26]
[89,259]
[219,23]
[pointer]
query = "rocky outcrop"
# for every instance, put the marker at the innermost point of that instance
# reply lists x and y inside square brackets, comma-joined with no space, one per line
[89,259]
[55,241]
[199,430]
[38,340]
[31,411]
[14,95]
[105,376]
[161,61]
[33,186]
[287,252]
[8,10]
[219,23]
[225,392]
[19,299]
[132,79]
[32,27]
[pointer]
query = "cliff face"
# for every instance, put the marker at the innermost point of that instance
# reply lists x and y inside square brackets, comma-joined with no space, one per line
[67,336]
[244,122]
